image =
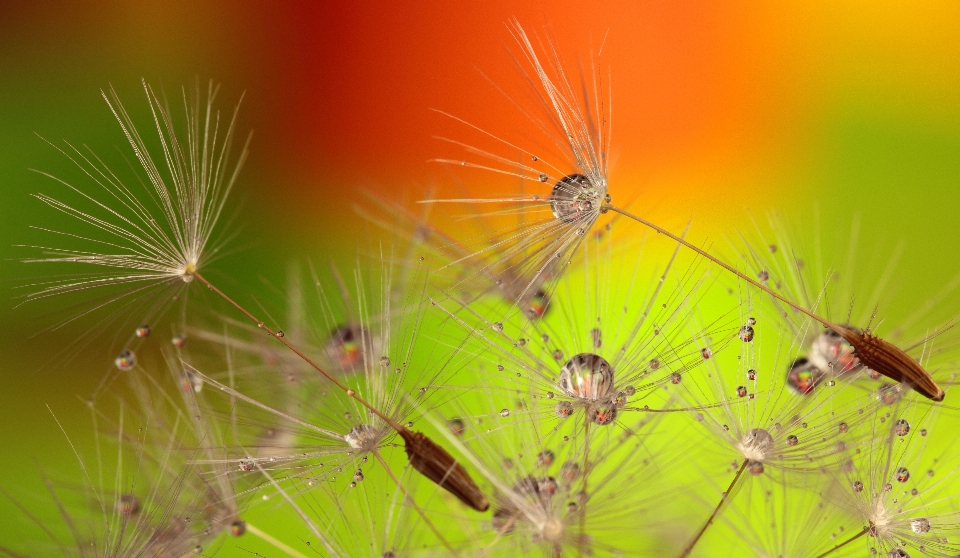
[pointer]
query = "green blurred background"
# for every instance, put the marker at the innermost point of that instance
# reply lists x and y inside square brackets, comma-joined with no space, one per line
[718,109]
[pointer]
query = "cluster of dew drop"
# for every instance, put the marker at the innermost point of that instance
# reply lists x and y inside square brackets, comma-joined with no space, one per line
[828,356]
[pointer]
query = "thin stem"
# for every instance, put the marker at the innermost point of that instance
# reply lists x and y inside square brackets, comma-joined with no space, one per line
[277,544]
[730,268]
[723,500]
[583,489]
[844,543]
[393,424]
[409,499]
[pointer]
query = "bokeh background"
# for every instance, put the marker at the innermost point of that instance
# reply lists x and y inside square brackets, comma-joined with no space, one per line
[721,110]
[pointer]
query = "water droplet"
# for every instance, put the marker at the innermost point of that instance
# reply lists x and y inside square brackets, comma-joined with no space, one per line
[757,444]
[238,528]
[901,427]
[857,486]
[126,360]
[505,413]
[629,391]
[898,553]
[675,378]
[602,412]
[586,376]
[361,437]
[842,427]
[572,197]
[831,352]
[655,364]
[557,355]
[751,321]
[901,474]
[534,158]
[706,353]
[350,392]
[763,276]
[457,426]
[500,367]
[246,465]
[128,505]
[569,471]
[741,391]
[755,467]
[179,340]
[563,409]
[803,376]
[920,525]
[889,394]
[280,333]
[497,326]
[345,346]
[143,331]
[746,334]
[384,361]
[923,431]
[792,440]
[358,475]
[190,382]
[545,458]
[544,177]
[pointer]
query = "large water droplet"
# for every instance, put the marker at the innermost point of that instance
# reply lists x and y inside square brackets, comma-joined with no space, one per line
[602,412]
[831,352]
[586,376]
[361,437]
[920,525]
[745,334]
[572,197]
[757,444]
[803,376]
[901,474]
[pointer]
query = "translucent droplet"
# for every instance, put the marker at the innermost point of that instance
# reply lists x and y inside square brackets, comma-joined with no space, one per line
[755,467]
[346,344]
[572,197]
[857,486]
[358,475]
[190,382]
[457,426]
[534,158]
[901,427]
[538,305]
[675,378]
[544,178]
[384,361]
[842,427]
[751,321]
[586,376]
[570,471]
[763,276]
[179,340]
[901,474]
[741,391]
[500,367]
[792,440]
[746,334]
[920,525]
[505,413]
[238,528]
[143,331]
[889,394]
[128,505]
[545,458]
[126,360]
[898,553]
[831,352]
[629,391]
[751,374]
[497,326]
[654,364]
[803,376]
[563,409]
[557,355]
[602,412]
[280,333]
[361,437]
[706,353]
[757,444]
[246,465]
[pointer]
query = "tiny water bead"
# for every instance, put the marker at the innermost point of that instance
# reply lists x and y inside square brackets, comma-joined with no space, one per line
[741,391]
[746,334]
[128,505]
[755,467]
[792,440]
[126,360]
[655,364]
[586,376]
[545,458]
[901,474]
[543,178]
[563,409]
[505,412]
[889,394]
[920,525]
[751,374]
[901,427]
[803,376]
[143,331]
[190,382]
[602,412]
[238,528]
[246,465]
[842,427]
[179,340]
[384,362]
[538,305]
[830,351]
[573,197]
[675,378]
[345,345]
[857,486]
[497,326]
[757,444]
[361,437]
[597,337]
[557,355]
[457,427]
[763,276]
[706,353]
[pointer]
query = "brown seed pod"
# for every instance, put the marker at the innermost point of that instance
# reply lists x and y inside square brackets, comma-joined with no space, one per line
[433,462]
[889,360]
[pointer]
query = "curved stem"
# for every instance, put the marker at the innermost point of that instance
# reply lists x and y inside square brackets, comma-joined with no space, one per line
[393,424]
[723,500]
[409,499]
[844,543]
[730,268]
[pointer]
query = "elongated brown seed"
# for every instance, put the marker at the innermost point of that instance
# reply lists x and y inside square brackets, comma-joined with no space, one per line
[433,462]
[889,360]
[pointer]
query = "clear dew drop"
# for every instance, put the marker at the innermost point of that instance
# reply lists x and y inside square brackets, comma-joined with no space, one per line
[179,340]
[586,376]
[755,467]
[675,378]
[143,331]
[901,427]
[361,436]
[457,426]
[832,353]
[498,327]
[544,177]
[505,412]
[563,409]
[803,376]
[763,276]
[280,333]
[654,364]
[557,355]
[751,374]
[602,412]
[901,474]
[384,361]
[545,458]
[572,197]
[746,334]
[706,353]
[345,345]
[842,427]
[898,553]
[857,486]
[920,525]
[792,440]
[741,391]
[238,528]
[126,360]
